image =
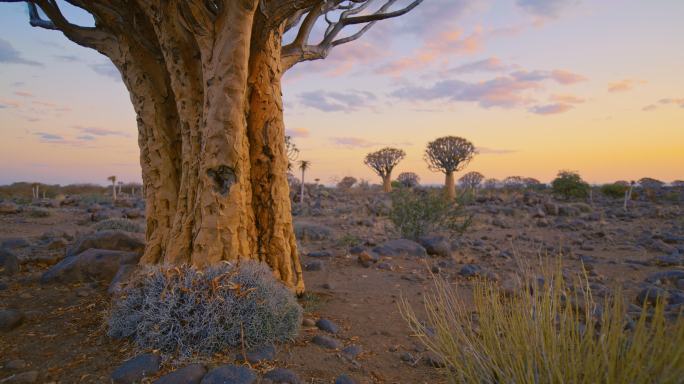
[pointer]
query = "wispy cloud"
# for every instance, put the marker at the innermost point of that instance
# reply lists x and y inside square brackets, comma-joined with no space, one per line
[663,102]
[624,85]
[352,142]
[23,94]
[332,101]
[567,99]
[550,109]
[494,151]
[546,8]
[106,69]
[10,55]
[297,132]
[94,131]
[491,64]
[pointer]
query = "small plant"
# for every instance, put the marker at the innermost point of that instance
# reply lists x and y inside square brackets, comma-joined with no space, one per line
[118,223]
[547,334]
[38,212]
[416,213]
[615,190]
[569,185]
[185,311]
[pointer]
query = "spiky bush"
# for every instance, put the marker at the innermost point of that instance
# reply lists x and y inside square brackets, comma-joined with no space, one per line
[416,213]
[118,223]
[547,333]
[186,312]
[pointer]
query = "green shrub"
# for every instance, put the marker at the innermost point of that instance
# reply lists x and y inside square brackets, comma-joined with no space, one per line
[185,311]
[419,212]
[569,185]
[615,190]
[537,337]
[118,223]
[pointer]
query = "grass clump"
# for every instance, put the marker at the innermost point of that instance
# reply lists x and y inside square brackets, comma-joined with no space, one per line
[547,334]
[416,213]
[187,312]
[118,223]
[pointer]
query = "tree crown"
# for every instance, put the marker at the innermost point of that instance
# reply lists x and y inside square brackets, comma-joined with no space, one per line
[384,160]
[449,154]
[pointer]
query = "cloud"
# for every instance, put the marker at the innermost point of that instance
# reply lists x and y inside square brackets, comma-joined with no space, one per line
[650,107]
[352,142]
[550,109]
[545,8]
[567,99]
[100,131]
[106,69]
[494,151]
[11,56]
[67,58]
[624,85]
[559,75]
[667,101]
[9,103]
[492,64]
[566,77]
[297,132]
[332,101]
[49,137]
[23,94]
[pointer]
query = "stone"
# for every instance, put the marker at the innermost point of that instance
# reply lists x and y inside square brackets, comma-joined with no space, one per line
[326,342]
[116,240]
[470,270]
[385,266]
[319,254]
[345,379]
[10,319]
[551,208]
[282,375]
[352,351]
[135,369]
[315,232]
[15,365]
[9,264]
[8,208]
[401,247]
[436,245]
[229,374]
[367,258]
[266,353]
[314,265]
[650,295]
[119,281]
[666,276]
[433,360]
[191,374]
[327,326]
[668,260]
[14,243]
[91,265]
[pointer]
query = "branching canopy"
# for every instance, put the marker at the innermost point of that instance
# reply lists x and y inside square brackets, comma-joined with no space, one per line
[384,160]
[471,180]
[408,179]
[449,154]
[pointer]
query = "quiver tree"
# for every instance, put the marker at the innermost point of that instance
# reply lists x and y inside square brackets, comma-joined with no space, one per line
[471,180]
[408,179]
[303,166]
[204,78]
[383,162]
[113,180]
[346,183]
[449,154]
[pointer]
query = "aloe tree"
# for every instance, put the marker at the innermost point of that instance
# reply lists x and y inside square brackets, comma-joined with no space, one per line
[448,155]
[303,166]
[113,180]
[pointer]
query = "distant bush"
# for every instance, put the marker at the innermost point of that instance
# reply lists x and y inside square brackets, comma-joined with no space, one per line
[118,223]
[419,212]
[408,179]
[534,336]
[569,184]
[39,212]
[615,190]
[185,311]
[346,182]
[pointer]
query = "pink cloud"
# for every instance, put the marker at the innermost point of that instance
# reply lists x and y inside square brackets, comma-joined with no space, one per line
[550,109]
[297,132]
[566,77]
[23,94]
[624,85]
[567,99]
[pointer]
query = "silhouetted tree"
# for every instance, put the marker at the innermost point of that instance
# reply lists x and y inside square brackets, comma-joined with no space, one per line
[471,180]
[449,154]
[408,179]
[304,165]
[383,162]
[346,182]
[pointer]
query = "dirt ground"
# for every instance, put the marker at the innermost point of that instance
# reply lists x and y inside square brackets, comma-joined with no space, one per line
[63,337]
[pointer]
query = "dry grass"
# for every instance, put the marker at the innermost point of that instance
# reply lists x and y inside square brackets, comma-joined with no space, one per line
[548,333]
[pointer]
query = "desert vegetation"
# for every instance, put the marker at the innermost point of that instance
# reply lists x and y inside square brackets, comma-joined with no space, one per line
[448,155]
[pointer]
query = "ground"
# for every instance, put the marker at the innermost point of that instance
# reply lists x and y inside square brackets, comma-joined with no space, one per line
[63,336]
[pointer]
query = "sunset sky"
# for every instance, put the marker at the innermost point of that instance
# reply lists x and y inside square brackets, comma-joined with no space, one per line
[536,85]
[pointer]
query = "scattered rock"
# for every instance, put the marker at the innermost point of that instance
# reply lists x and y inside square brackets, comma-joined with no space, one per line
[266,353]
[14,243]
[352,351]
[367,258]
[326,342]
[282,375]
[192,374]
[666,276]
[8,208]
[115,240]
[119,281]
[10,319]
[9,264]
[229,374]
[136,369]
[470,270]
[327,326]
[314,265]
[308,322]
[651,294]
[668,260]
[91,265]
[319,254]
[401,247]
[434,360]
[436,245]
[315,232]
[345,379]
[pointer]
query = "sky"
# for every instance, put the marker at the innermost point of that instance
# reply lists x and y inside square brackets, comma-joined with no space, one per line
[537,85]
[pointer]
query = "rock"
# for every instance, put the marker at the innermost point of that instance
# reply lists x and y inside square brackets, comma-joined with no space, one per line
[319,254]
[229,374]
[8,208]
[666,276]
[352,351]
[57,244]
[136,369]
[367,258]
[9,264]
[434,360]
[357,249]
[14,243]
[407,357]
[650,295]
[327,326]
[10,319]
[326,342]
[345,379]
[308,322]
[133,213]
[21,378]
[386,266]
[313,265]
[119,281]
[266,353]
[667,260]
[115,240]
[282,375]
[551,208]
[315,232]
[401,247]
[14,365]
[192,374]
[436,245]
[470,270]
[91,265]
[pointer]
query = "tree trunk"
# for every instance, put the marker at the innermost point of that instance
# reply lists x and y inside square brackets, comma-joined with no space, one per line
[387,183]
[301,194]
[211,135]
[450,186]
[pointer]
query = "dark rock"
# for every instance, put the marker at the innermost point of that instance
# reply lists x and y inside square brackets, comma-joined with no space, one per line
[401,247]
[326,342]
[122,275]
[192,374]
[434,360]
[345,379]
[407,357]
[136,369]
[116,240]
[357,249]
[282,375]
[91,265]
[327,326]
[10,319]
[667,260]
[14,243]
[386,266]
[229,374]
[315,232]
[651,295]
[676,298]
[367,258]
[319,254]
[436,245]
[352,351]
[470,270]
[133,213]
[8,207]
[9,264]
[266,353]
[666,276]
[551,208]
[314,265]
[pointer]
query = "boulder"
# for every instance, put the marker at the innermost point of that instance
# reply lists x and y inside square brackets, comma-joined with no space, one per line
[10,319]
[116,240]
[436,245]
[282,375]
[345,379]
[8,208]
[9,264]
[267,353]
[326,342]
[135,369]
[14,243]
[122,275]
[401,247]
[231,374]
[91,265]
[327,326]
[191,374]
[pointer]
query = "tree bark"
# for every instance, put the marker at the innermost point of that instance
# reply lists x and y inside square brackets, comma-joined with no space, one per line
[387,183]
[450,186]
